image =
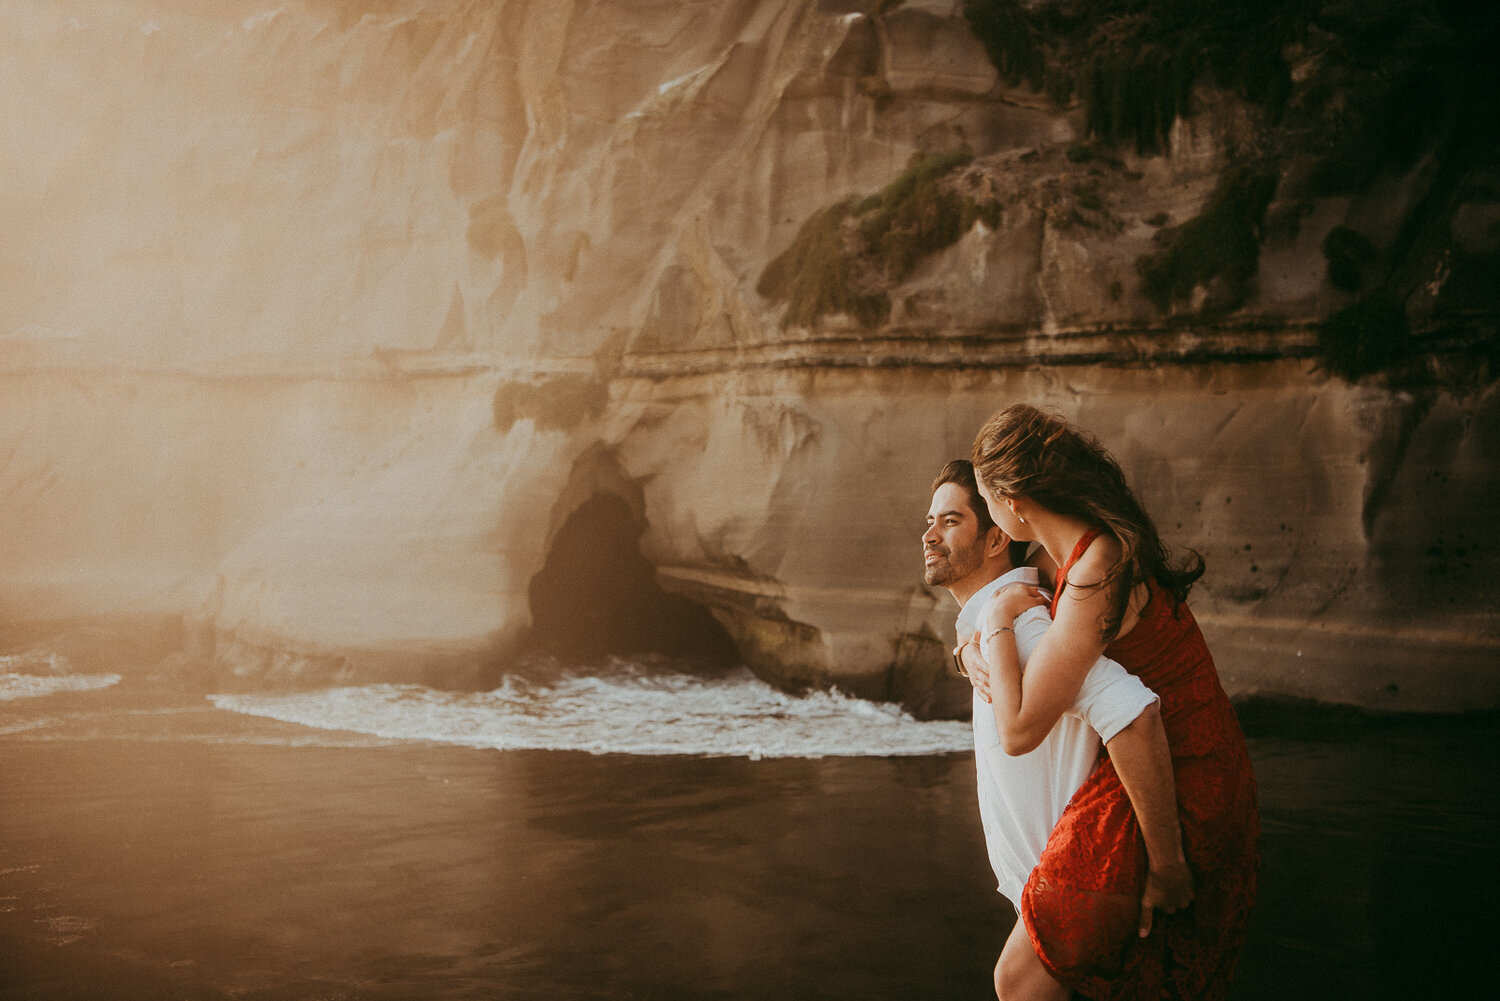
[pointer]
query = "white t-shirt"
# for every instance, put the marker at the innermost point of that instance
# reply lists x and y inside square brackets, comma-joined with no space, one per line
[1022,797]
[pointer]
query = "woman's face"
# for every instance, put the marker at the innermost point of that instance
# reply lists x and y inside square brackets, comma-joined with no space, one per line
[1003,516]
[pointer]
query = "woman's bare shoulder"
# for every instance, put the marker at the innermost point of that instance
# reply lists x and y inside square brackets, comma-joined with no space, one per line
[1096,562]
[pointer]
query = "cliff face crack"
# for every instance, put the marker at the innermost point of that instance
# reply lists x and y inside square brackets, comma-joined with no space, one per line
[598,596]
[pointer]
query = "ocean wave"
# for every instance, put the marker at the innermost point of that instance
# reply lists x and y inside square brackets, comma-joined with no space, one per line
[35,662]
[737,716]
[30,686]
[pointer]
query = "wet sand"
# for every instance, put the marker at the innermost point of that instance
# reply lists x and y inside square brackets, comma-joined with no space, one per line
[157,864]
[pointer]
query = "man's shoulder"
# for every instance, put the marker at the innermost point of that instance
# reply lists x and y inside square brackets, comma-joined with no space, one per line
[968,615]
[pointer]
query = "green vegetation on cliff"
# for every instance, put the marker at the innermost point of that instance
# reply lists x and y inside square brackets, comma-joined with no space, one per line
[1348,252]
[916,214]
[1365,337]
[1382,110]
[1408,89]
[848,254]
[1336,97]
[1133,63]
[814,275]
[1219,249]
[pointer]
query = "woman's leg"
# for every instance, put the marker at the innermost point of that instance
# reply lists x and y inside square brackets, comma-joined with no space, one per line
[1020,976]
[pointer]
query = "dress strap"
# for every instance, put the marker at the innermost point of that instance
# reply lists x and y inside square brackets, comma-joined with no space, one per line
[1062,571]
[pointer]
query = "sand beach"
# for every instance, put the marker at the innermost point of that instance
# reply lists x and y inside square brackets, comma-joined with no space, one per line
[154,846]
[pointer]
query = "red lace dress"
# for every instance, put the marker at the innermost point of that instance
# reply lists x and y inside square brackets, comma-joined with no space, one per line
[1082,903]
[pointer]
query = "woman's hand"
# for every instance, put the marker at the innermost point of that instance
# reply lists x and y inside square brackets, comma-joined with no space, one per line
[1011,600]
[972,666]
[1169,888]
[1004,605]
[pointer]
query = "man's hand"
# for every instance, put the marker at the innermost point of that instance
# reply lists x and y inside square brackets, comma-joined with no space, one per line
[974,668]
[1169,888]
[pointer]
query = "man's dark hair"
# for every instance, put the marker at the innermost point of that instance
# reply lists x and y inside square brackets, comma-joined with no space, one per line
[960,472]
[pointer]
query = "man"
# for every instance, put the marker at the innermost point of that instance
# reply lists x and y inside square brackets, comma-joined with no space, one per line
[1021,797]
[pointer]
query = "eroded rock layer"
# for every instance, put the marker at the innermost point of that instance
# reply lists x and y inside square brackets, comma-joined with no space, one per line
[319,319]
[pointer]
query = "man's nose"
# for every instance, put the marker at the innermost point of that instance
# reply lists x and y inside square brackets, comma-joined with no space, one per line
[930,536]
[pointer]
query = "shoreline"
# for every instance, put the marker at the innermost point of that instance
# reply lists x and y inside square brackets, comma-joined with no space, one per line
[157,852]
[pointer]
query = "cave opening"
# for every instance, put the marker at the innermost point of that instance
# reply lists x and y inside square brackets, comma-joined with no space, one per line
[598,596]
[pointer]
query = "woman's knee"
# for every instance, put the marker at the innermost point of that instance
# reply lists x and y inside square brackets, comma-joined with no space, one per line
[1010,980]
[1020,975]
[1015,982]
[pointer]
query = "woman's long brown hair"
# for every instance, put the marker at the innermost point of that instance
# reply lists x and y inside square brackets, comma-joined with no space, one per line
[1026,452]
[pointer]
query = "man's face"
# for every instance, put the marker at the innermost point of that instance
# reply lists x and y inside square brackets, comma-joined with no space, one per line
[952,546]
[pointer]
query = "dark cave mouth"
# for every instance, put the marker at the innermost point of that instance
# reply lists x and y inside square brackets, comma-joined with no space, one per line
[598,597]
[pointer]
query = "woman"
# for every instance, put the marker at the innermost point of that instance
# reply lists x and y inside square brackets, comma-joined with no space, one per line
[1116,595]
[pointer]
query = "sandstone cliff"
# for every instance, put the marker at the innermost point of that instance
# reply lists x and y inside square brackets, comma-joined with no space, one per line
[318,320]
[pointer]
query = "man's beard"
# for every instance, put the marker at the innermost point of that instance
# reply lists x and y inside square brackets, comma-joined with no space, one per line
[951,566]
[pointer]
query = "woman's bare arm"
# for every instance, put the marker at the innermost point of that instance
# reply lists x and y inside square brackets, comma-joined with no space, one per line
[1028,705]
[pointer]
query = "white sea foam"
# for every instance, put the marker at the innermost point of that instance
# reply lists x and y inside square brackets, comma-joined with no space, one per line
[35,662]
[36,674]
[619,714]
[31,686]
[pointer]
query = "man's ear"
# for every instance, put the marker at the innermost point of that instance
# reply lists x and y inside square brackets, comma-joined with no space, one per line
[995,541]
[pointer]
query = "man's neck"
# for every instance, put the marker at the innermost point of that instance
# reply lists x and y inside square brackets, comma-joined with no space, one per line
[970,608]
[963,590]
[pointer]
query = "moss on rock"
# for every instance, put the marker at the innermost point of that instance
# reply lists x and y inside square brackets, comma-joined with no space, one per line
[915,215]
[1221,245]
[1348,252]
[1133,64]
[846,255]
[814,275]
[1363,338]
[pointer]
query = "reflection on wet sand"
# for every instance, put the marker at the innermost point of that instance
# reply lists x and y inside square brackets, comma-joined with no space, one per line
[154,851]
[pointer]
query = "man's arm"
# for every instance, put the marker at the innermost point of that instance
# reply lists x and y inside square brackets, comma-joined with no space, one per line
[1144,764]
